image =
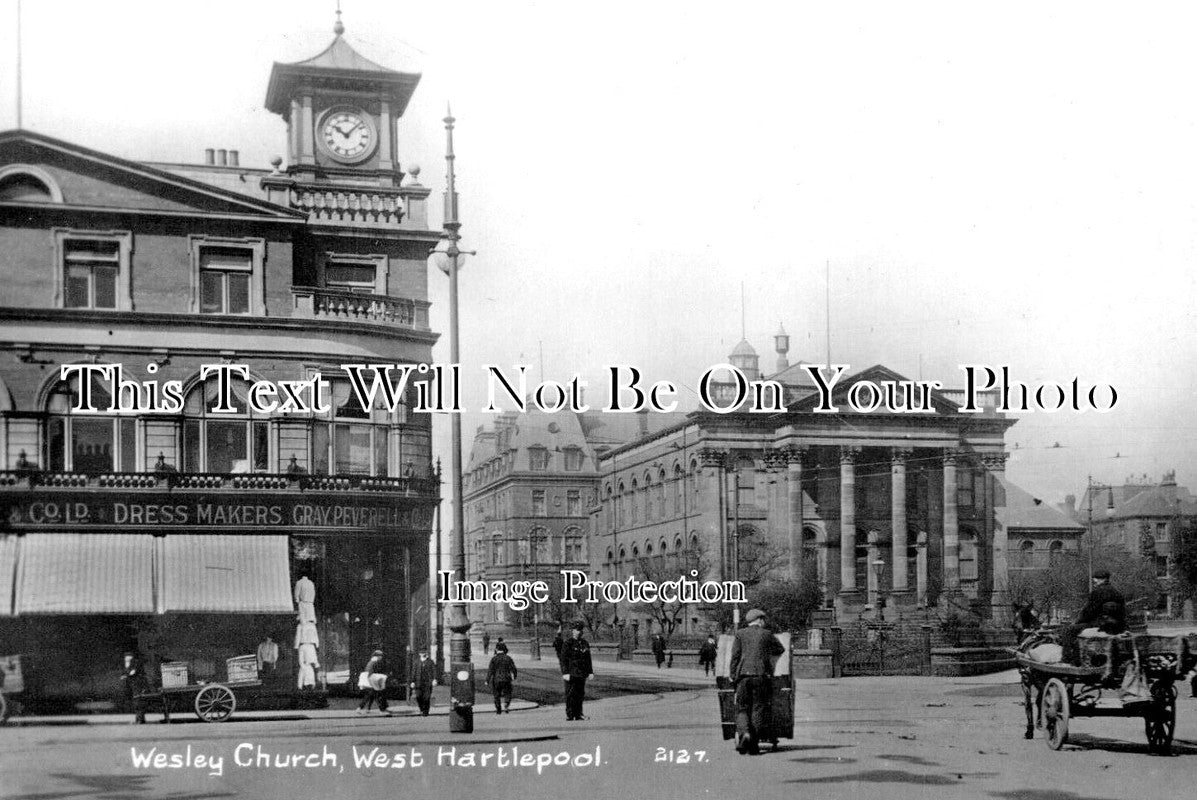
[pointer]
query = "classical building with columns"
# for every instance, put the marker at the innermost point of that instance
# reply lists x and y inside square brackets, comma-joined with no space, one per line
[890,513]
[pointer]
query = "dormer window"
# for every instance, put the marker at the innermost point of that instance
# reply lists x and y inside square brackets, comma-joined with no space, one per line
[573,459]
[538,459]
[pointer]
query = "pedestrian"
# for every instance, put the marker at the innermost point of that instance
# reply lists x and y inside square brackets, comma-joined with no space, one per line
[558,641]
[706,655]
[499,677]
[425,678]
[485,642]
[267,657]
[1026,621]
[373,683]
[752,658]
[576,667]
[138,686]
[659,649]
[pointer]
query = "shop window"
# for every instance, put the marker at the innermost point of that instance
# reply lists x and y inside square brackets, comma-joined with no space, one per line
[227,275]
[88,442]
[92,269]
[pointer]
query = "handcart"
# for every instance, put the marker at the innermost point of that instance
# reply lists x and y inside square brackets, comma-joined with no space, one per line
[781,716]
[1061,692]
[211,701]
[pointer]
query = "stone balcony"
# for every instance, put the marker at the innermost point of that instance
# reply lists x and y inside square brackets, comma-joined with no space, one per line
[343,206]
[319,303]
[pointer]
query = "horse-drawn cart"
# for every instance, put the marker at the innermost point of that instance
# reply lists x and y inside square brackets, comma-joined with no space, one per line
[1128,675]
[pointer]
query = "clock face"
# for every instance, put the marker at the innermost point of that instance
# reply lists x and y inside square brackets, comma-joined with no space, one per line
[347,135]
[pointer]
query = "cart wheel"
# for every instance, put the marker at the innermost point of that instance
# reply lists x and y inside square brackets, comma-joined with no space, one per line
[215,703]
[1055,713]
[1160,719]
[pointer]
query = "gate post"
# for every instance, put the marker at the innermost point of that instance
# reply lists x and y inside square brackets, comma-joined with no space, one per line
[926,649]
[837,656]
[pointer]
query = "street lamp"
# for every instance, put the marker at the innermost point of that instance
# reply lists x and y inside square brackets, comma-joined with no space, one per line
[450,258]
[1109,514]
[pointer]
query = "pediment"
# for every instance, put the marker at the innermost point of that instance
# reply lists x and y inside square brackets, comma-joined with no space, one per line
[85,178]
[880,376]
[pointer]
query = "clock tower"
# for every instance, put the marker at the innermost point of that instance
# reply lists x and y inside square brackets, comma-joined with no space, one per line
[343,167]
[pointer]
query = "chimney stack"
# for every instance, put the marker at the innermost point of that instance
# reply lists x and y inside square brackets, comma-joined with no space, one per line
[210,156]
[234,158]
[222,157]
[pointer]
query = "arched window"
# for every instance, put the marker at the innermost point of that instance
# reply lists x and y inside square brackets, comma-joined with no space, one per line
[968,554]
[679,488]
[21,183]
[223,442]
[664,547]
[620,503]
[635,551]
[610,555]
[623,554]
[610,510]
[647,497]
[661,495]
[648,548]
[1055,549]
[677,543]
[633,500]
[694,542]
[88,442]
[1026,553]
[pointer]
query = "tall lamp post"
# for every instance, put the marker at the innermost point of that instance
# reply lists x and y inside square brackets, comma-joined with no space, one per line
[1109,513]
[449,258]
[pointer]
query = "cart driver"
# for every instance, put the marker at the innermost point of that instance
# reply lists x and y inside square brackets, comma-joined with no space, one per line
[752,658]
[1106,609]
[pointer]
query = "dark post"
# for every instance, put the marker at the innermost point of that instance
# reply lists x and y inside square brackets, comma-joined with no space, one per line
[926,649]
[837,663]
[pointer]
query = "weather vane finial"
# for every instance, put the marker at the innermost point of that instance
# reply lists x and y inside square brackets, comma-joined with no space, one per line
[338,28]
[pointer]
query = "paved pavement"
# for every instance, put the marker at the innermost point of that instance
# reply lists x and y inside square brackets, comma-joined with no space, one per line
[892,738]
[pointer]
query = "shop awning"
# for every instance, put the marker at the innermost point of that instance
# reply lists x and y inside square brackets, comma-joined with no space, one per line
[229,573]
[8,566]
[72,573]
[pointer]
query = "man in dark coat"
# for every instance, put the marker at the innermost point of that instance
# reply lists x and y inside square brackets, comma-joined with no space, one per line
[423,680]
[575,669]
[1105,609]
[752,659]
[137,684]
[707,653]
[659,649]
[499,677]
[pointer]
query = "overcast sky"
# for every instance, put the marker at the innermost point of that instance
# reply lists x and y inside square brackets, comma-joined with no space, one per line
[1013,187]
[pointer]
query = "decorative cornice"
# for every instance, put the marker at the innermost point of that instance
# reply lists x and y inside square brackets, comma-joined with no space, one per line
[710,457]
[898,456]
[848,454]
[994,462]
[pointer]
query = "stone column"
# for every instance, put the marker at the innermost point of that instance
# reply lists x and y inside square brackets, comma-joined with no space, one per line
[872,578]
[793,456]
[712,513]
[307,133]
[897,519]
[995,468]
[848,456]
[951,532]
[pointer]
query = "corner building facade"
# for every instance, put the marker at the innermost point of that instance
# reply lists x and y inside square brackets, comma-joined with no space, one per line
[185,534]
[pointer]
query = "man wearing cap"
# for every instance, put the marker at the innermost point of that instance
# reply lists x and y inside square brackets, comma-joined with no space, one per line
[1106,609]
[499,677]
[575,669]
[423,681]
[752,659]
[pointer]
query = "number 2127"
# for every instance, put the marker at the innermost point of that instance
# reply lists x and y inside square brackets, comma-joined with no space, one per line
[664,756]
